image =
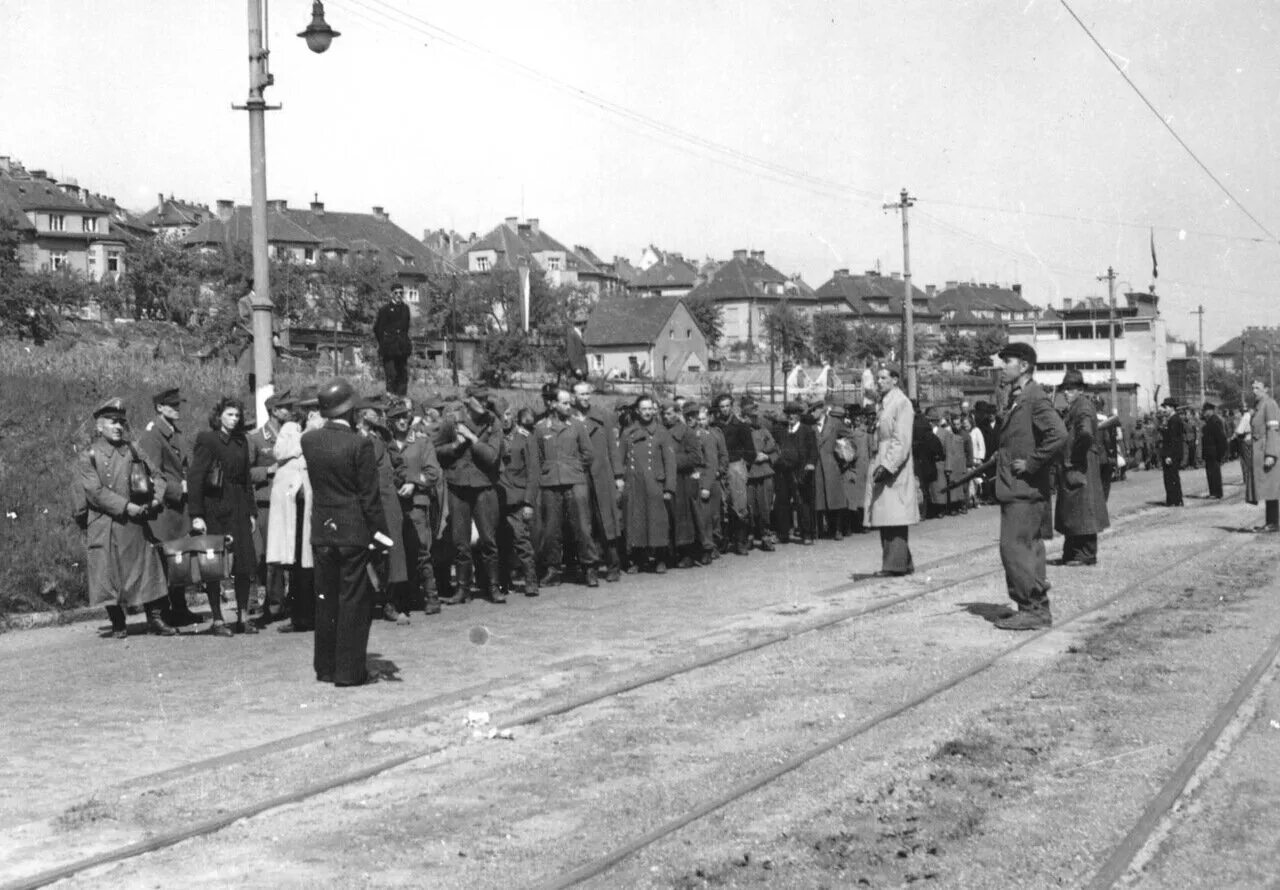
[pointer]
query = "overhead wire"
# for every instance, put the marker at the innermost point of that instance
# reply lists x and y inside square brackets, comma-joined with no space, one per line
[1165,123]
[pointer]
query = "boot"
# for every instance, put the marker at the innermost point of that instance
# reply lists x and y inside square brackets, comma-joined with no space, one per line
[593,579]
[531,582]
[551,578]
[496,595]
[462,589]
[1026,619]
[612,573]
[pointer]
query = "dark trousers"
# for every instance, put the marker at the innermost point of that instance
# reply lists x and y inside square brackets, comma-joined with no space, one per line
[1213,475]
[344,610]
[1272,514]
[396,370]
[302,597]
[1023,527]
[793,497]
[515,548]
[571,504]
[760,506]
[895,552]
[1082,548]
[1172,486]
[468,504]
[418,557]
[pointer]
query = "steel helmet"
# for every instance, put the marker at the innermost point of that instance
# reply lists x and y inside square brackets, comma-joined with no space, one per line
[336,398]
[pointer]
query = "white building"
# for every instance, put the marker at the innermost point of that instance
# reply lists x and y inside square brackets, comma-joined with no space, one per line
[1077,336]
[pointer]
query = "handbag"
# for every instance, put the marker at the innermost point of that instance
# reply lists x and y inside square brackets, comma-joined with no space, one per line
[198,559]
[141,489]
[213,478]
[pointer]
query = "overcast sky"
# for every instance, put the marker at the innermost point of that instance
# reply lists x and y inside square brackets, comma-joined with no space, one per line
[1031,158]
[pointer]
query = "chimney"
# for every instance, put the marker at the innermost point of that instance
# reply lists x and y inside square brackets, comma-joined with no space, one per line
[226,209]
[511,221]
[5,165]
[896,276]
[840,273]
[317,207]
[1066,303]
[872,273]
[1017,289]
[533,224]
[277,205]
[740,254]
[757,255]
[39,174]
[931,290]
[952,285]
[160,202]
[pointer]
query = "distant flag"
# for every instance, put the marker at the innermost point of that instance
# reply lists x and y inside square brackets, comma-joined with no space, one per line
[1155,269]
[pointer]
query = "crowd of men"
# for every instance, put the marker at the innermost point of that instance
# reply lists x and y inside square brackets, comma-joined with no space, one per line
[344,507]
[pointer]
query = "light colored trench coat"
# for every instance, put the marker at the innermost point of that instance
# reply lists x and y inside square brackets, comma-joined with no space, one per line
[1265,428]
[282,519]
[895,503]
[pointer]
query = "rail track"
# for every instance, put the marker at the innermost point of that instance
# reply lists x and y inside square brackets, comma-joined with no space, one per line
[634,680]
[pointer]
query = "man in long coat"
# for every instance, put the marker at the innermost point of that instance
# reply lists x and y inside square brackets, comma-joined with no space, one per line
[1081,510]
[690,465]
[793,481]
[1213,449]
[829,501]
[162,444]
[760,478]
[715,465]
[123,563]
[394,594]
[605,476]
[741,454]
[649,465]
[1031,438]
[422,477]
[1173,449]
[1265,432]
[892,503]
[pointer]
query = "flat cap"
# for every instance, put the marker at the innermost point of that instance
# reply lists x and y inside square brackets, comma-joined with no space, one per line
[838,411]
[691,409]
[399,408]
[1209,406]
[793,408]
[1169,402]
[308,397]
[1073,379]
[500,405]
[280,399]
[1022,351]
[817,405]
[110,408]
[747,401]
[478,392]
[168,397]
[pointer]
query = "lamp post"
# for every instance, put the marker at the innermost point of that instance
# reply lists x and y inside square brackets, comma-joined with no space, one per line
[318,36]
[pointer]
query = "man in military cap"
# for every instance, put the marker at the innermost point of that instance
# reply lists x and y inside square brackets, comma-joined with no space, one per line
[262,470]
[691,464]
[472,465]
[422,475]
[1031,437]
[649,464]
[1081,511]
[391,330]
[122,490]
[1213,448]
[164,448]
[1173,447]
[605,477]
[560,466]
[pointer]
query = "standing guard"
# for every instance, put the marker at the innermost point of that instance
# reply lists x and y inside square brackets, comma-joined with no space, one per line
[1081,510]
[1173,446]
[561,460]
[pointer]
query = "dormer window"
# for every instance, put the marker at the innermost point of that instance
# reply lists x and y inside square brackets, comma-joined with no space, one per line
[89,224]
[57,222]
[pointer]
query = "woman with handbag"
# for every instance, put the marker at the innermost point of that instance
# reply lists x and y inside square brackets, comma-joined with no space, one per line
[221,503]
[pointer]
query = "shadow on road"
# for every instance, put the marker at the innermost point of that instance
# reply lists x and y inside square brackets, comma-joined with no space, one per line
[386,670]
[991,612]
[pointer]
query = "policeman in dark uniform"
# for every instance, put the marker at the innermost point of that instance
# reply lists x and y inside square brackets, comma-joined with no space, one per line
[1172,452]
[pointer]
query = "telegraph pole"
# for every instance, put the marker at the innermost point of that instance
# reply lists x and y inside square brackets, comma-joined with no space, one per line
[1199,310]
[1110,279]
[908,351]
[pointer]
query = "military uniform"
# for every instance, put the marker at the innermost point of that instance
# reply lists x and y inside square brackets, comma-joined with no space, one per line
[1173,444]
[649,466]
[1081,511]
[422,470]
[560,462]
[471,470]
[518,493]
[690,465]
[760,486]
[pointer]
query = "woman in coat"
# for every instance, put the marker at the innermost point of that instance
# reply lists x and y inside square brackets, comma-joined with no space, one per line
[220,494]
[892,503]
[289,526]
[1081,510]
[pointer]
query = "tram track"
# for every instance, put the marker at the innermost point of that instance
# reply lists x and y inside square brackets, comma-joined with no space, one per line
[629,683]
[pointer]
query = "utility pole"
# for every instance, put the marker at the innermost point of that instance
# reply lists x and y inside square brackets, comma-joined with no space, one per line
[908,351]
[1110,279]
[1199,310]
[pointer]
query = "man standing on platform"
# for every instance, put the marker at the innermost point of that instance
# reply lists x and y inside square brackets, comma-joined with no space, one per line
[1213,448]
[1082,507]
[1031,437]
[348,527]
[391,330]
[1173,448]
[892,500]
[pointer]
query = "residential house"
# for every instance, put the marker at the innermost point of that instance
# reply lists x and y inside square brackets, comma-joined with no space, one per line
[504,247]
[603,278]
[654,338]
[307,236]
[1078,336]
[746,288]
[1251,343]
[60,225]
[173,219]
[978,308]
[670,276]
[872,298]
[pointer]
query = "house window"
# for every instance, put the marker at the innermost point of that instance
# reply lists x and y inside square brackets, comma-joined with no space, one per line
[89,223]
[57,222]
[57,259]
[688,333]
[113,261]
[93,263]
[309,254]
[411,295]
[553,263]
[482,264]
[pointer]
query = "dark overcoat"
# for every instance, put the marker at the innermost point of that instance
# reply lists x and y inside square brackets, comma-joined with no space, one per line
[124,565]
[606,469]
[690,460]
[1082,506]
[347,509]
[649,466]
[228,510]
[163,447]
[828,482]
[391,475]
[1029,430]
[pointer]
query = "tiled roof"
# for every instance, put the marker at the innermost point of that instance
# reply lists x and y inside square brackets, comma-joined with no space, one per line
[672,271]
[628,321]
[624,270]
[238,227]
[741,279]
[874,296]
[11,209]
[43,194]
[176,213]
[969,297]
[512,241]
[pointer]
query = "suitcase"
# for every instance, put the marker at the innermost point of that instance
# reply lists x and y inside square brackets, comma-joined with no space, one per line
[197,559]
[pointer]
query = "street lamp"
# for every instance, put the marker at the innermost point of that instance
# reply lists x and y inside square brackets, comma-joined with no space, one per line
[318,36]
